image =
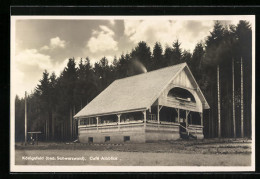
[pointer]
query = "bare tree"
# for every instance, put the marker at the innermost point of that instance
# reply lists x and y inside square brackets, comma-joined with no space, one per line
[242,100]
[233,99]
[219,120]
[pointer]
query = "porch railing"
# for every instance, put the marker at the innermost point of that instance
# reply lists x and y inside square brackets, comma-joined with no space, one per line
[177,102]
[110,124]
[137,125]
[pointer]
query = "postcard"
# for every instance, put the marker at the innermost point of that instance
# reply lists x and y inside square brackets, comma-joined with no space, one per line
[132,93]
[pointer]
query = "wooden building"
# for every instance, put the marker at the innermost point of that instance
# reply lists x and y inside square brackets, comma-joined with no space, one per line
[165,104]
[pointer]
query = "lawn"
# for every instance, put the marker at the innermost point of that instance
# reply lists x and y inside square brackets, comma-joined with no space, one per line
[226,152]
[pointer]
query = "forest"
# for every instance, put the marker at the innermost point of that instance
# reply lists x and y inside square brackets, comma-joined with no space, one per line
[221,64]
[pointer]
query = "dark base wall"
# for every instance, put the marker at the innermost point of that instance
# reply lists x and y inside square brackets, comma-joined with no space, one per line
[118,137]
[152,133]
[137,137]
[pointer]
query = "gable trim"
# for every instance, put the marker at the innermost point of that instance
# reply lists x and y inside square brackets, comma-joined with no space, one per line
[159,94]
[204,102]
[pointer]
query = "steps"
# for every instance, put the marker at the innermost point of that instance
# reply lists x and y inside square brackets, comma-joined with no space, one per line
[184,132]
[186,135]
[191,136]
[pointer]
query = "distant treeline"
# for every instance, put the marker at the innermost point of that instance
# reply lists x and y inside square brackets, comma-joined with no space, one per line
[56,99]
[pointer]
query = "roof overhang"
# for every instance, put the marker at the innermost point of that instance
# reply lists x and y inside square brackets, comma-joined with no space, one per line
[111,113]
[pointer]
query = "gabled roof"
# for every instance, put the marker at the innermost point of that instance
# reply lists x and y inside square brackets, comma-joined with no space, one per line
[133,93]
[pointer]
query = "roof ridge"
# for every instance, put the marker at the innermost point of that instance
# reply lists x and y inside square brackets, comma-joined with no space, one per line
[152,71]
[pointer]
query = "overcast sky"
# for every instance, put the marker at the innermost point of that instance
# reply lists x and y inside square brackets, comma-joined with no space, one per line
[48,43]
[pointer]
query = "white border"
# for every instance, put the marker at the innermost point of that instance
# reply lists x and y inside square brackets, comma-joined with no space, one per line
[45,168]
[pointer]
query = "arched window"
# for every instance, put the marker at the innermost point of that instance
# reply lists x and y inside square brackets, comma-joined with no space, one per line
[181,94]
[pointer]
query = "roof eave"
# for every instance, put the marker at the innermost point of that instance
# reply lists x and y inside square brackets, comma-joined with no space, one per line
[110,113]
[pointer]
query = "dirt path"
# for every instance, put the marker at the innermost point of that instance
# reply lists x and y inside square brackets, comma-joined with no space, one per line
[118,158]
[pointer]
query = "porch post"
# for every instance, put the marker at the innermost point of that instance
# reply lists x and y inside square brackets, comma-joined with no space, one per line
[118,117]
[97,122]
[144,112]
[158,114]
[178,115]
[78,121]
[201,117]
[186,119]
[187,114]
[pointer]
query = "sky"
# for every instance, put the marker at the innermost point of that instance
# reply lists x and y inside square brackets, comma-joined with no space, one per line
[47,44]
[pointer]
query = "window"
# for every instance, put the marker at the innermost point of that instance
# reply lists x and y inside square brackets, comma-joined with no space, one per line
[181,94]
[90,139]
[152,117]
[107,138]
[126,138]
[82,121]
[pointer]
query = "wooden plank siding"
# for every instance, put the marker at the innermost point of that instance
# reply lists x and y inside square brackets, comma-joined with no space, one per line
[181,81]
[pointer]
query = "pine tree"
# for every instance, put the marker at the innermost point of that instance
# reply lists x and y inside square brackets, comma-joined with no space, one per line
[243,34]
[104,73]
[168,57]
[142,53]
[43,93]
[197,58]
[177,52]
[213,49]
[67,97]
[56,99]
[233,98]
[19,119]
[186,57]
[157,59]
[242,99]
[53,100]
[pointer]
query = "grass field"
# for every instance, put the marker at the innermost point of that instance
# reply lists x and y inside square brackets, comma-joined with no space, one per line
[132,158]
[175,153]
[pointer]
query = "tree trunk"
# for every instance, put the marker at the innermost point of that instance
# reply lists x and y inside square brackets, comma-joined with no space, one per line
[70,123]
[46,129]
[211,113]
[228,116]
[25,118]
[53,127]
[74,124]
[50,124]
[233,99]
[209,123]
[242,100]
[61,129]
[219,121]
[65,129]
